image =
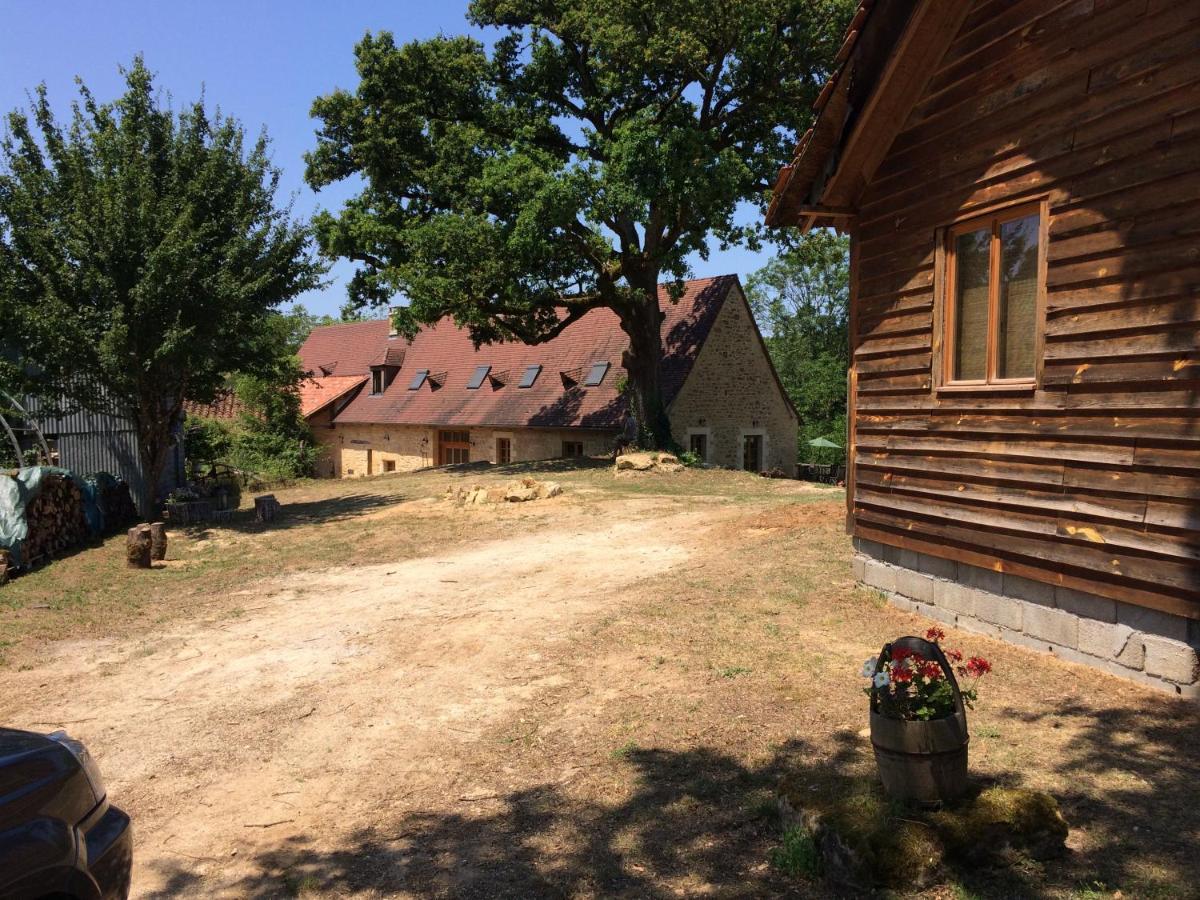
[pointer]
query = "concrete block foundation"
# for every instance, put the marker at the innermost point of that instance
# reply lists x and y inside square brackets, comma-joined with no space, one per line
[1147,646]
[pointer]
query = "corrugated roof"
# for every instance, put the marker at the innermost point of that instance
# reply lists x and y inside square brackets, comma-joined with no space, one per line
[449,353]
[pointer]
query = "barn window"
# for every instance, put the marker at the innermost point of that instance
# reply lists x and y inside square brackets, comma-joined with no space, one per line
[994,281]
[572,449]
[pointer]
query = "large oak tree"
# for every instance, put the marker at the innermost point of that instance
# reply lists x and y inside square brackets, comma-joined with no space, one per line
[141,256]
[574,165]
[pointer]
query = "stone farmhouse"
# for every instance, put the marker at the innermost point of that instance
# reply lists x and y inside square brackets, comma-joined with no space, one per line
[1021,184]
[379,403]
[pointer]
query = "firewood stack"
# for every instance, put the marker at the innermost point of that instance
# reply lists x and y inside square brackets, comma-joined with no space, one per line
[55,520]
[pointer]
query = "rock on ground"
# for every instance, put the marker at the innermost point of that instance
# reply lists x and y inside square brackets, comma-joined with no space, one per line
[648,461]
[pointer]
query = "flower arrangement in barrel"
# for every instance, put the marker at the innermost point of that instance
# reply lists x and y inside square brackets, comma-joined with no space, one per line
[911,687]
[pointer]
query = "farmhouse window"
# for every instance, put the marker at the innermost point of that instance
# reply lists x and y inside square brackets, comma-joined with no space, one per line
[698,444]
[503,451]
[377,381]
[572,449]
[389,465]
[994,282]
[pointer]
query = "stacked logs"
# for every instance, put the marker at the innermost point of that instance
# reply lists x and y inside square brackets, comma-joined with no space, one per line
[55,520]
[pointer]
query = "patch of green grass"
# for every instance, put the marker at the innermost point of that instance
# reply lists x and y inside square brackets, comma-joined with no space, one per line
[625,750]
[772,629]
[300,885]
[1096,890]
[798,855]
[987,731]
[733,671]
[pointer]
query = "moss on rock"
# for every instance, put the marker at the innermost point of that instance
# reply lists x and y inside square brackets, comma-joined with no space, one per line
[866,841]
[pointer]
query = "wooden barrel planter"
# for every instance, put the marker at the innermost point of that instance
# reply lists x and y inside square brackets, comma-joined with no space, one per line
[922,762]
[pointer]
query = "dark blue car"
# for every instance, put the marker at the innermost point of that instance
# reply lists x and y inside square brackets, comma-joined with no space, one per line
[59,836]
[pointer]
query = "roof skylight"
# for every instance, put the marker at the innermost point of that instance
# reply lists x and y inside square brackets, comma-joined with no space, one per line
[530,376]
[596,374]
[481,372]
[418,379]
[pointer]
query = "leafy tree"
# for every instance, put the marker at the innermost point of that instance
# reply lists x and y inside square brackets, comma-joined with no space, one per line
[801,301]
[142,249]
[574,166]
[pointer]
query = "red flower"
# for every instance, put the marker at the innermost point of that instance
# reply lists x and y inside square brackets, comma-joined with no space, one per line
[978,666]
[934,634]
[901,675]
[900,654]
[930,670]
[954,655]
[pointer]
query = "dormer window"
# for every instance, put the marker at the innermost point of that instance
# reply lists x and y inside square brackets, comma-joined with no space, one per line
[530,376]
[596,374]
[481,372]
[377,380]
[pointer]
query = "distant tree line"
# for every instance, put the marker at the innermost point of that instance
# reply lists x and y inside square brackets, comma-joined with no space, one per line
[801,301]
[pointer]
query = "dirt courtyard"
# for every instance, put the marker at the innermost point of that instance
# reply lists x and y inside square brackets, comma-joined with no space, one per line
[591,695]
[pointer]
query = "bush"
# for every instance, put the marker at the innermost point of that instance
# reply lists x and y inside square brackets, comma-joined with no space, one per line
[690,459]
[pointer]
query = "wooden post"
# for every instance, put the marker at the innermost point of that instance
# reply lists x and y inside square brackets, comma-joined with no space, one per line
[137,547]
[158,540]
[265,508]
[3,566]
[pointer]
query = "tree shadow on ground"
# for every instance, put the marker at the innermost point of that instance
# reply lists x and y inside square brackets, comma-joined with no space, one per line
[309,512]
[701,821]
[696,820]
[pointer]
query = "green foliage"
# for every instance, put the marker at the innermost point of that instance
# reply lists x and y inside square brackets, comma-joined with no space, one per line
[142,247]
[800,299]
[798,855]
[690,459]
[270,439]
[580,160]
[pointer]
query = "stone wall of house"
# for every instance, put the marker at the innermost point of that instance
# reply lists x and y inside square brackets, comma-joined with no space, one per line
[732,392]
[1145,645]
[369,449]
[321,426]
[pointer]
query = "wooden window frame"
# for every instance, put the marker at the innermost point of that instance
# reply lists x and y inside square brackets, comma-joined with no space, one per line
[948,307]
[508,442]
[574,443]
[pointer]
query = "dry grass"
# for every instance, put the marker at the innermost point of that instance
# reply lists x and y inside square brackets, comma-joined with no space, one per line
[645,758]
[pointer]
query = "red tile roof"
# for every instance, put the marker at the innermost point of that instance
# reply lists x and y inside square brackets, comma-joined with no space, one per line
[317,393]
[226,405]
[347,348]
[447,351]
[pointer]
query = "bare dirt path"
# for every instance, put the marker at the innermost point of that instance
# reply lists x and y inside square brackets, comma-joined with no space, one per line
[332,700]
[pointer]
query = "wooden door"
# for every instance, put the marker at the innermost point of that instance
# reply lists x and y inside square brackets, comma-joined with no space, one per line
[752,453]
[454,447]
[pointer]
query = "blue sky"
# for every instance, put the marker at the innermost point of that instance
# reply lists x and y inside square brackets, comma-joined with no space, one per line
[261,62]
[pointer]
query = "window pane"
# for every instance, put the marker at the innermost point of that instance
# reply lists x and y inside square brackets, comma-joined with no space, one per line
[1018,298]
[971,260]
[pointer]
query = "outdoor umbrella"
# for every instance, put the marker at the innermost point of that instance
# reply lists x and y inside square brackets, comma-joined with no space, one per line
[822,442]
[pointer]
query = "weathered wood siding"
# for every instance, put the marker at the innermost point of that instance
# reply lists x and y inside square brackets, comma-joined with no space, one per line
[1093,479]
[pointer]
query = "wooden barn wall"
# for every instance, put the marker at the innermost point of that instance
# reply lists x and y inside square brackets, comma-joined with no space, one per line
[1092,480]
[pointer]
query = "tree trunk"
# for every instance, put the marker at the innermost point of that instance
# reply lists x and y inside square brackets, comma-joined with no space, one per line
[154,444]
[642,322]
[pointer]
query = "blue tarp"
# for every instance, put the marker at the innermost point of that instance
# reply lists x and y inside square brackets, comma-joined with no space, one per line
[19,487]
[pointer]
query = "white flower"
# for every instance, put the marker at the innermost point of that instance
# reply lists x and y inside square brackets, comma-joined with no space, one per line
[868,668]
[882,680]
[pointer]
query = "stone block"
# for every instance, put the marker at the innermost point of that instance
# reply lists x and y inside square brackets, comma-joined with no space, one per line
[879,575]
[984,579]
[1111,642]
[938,567]
[978,626]
[1173,660]
[945,616]
[901,602]
[914,584]
[954,596]
[1028,590]
[858,566]
[999,610]
[869,548]
[1053,626]
[1085,605]
[1151,621]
